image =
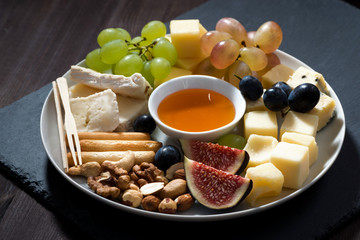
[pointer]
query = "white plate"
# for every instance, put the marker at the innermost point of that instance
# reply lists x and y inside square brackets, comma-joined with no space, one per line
[329,139]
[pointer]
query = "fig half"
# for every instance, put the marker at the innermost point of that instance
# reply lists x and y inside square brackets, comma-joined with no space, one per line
[220,157]
[215,188]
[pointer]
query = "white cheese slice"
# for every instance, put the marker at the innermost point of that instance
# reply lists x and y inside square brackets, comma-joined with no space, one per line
[134,86]
[97,112]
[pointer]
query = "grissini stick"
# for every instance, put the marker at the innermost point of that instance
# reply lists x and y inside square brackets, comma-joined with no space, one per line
[114,135]
[100,157]
[119,145]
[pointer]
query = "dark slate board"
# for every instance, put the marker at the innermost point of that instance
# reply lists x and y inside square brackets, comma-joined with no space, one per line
[323,34]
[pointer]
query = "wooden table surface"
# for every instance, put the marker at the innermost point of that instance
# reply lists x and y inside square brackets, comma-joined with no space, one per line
[39,41]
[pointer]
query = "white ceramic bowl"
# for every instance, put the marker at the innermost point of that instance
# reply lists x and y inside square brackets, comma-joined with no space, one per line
[203,82]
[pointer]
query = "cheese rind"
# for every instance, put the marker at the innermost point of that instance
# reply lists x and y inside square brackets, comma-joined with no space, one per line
[259,149]
[261,123]
[293,161]
[304,123]
[304,75]
[304,140]
[98,112]
[267,182]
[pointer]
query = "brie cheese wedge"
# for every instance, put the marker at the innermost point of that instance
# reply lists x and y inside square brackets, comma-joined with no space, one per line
[134,86]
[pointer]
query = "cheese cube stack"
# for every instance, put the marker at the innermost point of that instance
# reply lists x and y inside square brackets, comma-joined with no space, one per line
[304,75]
[267,181]
[300,123]
[261,123]
[98,112]
[279,73]
[293,161]
[324,109]
[304,140]
[259,149]
[185,36]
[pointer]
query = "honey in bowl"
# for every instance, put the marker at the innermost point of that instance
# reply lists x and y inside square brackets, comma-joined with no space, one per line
[196,110]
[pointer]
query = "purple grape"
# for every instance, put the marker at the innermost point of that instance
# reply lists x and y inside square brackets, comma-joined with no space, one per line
[304,97]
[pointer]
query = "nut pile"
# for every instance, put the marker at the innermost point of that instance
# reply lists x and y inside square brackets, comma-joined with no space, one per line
[144,185]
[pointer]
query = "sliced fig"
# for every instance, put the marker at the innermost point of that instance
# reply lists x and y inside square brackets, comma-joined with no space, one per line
[215,188]
[220,157]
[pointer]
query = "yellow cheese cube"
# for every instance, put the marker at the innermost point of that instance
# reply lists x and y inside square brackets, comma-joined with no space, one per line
[174,72]
[304,140]
[259,149]
[185,36]
[300,123]
[293,161]
[279,73]
[324,109]
[261,123]
[304,75]
[188,63]
[267,182]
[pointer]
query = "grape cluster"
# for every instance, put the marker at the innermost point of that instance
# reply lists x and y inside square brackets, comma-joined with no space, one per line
[235,52]
[150,54]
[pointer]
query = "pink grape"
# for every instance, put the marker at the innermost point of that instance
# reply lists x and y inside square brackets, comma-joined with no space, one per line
[254,57]
[224,53]
[238,68]
[268,37]
[234,27]
[210,39]
[206,68]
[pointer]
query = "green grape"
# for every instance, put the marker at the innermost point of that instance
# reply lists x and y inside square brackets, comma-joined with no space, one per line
[146,72]
[206,68]
[153,29]
[224,53]
[94,62]
[210,39]
[112,52]
[232,140]
[129,65]
[238,68]
[165,49]
[254,57]
[268,37]
[160,68]
[110,34]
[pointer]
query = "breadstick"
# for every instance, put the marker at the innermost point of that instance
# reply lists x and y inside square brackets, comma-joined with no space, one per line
[140,156]
[114,135]
[119,145]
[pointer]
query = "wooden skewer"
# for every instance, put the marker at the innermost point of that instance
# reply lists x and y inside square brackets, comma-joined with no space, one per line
[60,127]
[70,125]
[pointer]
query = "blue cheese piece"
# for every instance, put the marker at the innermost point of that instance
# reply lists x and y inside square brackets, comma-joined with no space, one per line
[97,112]
[304,75]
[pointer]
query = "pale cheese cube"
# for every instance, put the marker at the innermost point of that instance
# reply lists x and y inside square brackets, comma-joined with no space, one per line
[255,105]
[279,73]
[185,36]
[97,112]
[304,140]
[259,149]
[324,109]
[304,75]
[267,182]
[293,161]
[261,123]
[304,123]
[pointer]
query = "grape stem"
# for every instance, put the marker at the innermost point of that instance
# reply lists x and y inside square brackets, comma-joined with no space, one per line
[142,49]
